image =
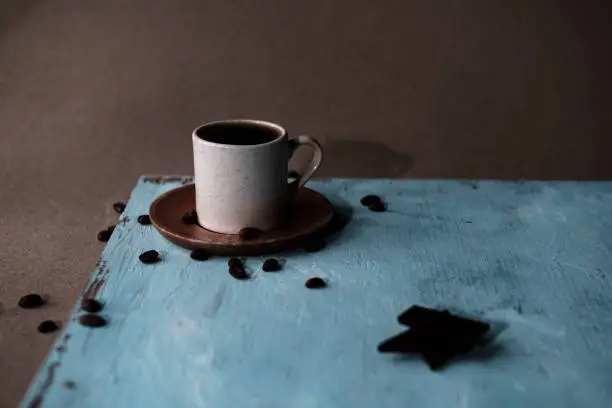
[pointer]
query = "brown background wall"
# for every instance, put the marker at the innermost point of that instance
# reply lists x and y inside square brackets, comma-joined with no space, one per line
[95,93]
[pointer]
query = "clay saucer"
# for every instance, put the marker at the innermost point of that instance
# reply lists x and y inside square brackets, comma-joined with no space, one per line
[311,212]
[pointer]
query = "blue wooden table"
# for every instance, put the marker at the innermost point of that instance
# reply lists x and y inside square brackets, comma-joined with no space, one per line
[534,258]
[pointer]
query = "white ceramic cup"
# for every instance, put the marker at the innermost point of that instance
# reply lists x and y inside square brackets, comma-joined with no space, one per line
[241,174]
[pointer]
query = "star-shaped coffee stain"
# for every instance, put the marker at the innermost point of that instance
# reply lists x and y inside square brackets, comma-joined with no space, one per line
[436,335]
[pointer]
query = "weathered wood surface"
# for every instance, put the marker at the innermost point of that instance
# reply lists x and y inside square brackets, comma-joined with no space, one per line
[532,257]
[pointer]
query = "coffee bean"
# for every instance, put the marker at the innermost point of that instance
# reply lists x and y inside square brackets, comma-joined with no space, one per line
[238,273]
[69,384]
[149,257]
[104,235]
[47,326]
[91,305]
[313,245]
[315,283]
[271,265]
[30,301]
[235,263]
[377,206]
[119,207]
[370,199]
[199,254]
[191,217]
[92,320]
[248,233]
[144,219]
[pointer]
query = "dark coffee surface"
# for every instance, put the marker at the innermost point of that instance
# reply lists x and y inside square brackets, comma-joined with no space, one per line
[237,134]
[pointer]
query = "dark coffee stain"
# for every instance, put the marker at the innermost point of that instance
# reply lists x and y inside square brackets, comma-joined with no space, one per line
[345,158]
[98,281]
[168,179]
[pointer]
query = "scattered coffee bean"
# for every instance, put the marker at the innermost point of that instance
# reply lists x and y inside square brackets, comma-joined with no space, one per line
[144,219]
[47,326]
[370,199]
[378,206]
[315,283]
[271,265]
[119,207]
[238,273]
[92,320]
[199,254]
[149,257]
[248,233]
[69,384]
[91,305]
[191,217]
[30,301]
[314,245]
[104,235]
[235,263]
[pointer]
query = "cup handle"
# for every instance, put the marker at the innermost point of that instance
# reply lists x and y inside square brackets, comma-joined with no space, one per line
[317,158]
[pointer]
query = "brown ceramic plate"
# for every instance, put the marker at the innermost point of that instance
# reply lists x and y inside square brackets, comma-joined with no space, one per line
[310,214]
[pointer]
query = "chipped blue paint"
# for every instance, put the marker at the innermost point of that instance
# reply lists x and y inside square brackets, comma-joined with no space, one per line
[533,257]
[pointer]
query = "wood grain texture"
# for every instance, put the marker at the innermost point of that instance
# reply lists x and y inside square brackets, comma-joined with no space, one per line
[533,258]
